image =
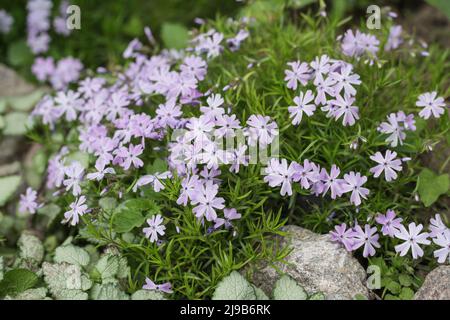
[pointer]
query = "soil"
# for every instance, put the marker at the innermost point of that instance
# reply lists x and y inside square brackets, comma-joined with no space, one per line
[429,24]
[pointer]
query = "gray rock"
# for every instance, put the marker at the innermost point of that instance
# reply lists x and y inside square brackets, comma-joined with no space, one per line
[436,285]
[317,264]
[11,84]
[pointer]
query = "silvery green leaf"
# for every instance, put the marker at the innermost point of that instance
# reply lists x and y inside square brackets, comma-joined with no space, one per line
[17,123]
[110,291]
[73,277]
[67,241]
[30,294]
[123,269]
[66,281]
[287,289]
[25,102]
[317,296]
[147,295]
[2,122]
[66,294]
[108,266]
[31,248]
[72,255]
[86,282]
[260,295]
[2,268]
[8,186]
[10,168]
[234,287]
[2,104]
[93,254]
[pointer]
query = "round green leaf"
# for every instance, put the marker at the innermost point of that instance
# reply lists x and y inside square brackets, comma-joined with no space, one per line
[8,186]
[19,54]
[174,35]
[17,123]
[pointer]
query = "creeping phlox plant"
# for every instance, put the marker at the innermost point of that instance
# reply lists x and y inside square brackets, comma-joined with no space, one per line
[188,161]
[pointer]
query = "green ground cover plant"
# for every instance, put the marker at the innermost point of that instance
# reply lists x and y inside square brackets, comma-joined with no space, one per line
[137,164]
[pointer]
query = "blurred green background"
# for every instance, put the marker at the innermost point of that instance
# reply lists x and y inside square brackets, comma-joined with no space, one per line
[107,26]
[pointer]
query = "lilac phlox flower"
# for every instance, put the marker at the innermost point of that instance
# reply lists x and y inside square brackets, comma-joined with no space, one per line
[442,240]
[394,129]
[194,66]
[209,43]
[358,43]
[390,224]
[101,171]
[103,146]
[412,238]
[235,43]
[324,87]
[408,121]
[68,104]
[77,209]
[74,173]
[169,113]
[116,107]
[154,180]
[436,226]
[181,84]
[299,73]
[261,129]
[354,184]
[164,287]
[431,105]
[302,105]
[6,21]
[46,109]
[227,124]
[305,174]
[210,175]
[207,202]
[28,201]
[332,182]
[213,110]
[199,129]
[60,21]
[388,164]
[367,237]
[344,107]
[191,97]
[345,79]
[43,68]
[134,46]
[56,170]
[129,156]
[155,228]
[279,173]
[67,71]
[343,236]
[320,65]
[38,24]
[240,158]
[395,38]
[90,86]
[229,214]
[189,189]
